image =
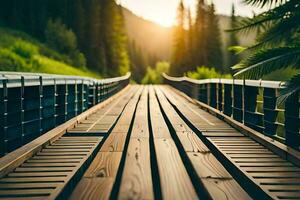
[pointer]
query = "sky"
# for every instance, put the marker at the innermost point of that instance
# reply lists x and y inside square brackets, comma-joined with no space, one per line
[163,12]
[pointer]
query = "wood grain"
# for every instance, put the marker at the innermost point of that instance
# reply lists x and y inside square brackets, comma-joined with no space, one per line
[175,181]
[105,164]
[93,188]
[136,179]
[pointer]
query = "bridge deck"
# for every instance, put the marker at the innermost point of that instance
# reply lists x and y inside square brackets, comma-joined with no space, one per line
[151,142]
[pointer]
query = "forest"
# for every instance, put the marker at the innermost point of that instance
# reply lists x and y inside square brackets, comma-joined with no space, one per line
[103,39]
[86,33]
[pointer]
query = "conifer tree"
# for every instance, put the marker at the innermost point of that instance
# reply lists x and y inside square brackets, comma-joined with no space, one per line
[214,44]
[201,34]
[79,21]
[190,43]
[233,41]
[179,51]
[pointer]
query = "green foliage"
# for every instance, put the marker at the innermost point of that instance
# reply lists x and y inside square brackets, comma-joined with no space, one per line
[233,58]
[204,72]
[154,76]
[59,37]
[19,52]
[50,66]
[10,61]
[199,45]
[278,46]
[214,50]
[24,49]
[62,39]
[179,62]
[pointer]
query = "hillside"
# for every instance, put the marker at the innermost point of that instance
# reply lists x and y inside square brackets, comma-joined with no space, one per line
[20,52]
[157,40]
[149,36]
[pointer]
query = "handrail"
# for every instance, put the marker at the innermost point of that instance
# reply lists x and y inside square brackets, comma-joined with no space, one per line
[251,102]
[257,83]
[32,104]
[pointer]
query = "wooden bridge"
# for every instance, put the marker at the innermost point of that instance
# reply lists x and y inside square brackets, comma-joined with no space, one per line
[112,140]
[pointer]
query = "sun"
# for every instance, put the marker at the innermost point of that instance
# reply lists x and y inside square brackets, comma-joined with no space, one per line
[164,19]
[168,19]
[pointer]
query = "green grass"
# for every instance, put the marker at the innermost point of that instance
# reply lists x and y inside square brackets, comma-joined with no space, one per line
[22,53]
[51,66]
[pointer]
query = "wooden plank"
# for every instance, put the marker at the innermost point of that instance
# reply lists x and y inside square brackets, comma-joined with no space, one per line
[271,169]
[93,188]
[136,179]
[45,169]
[224,189]
[53,161]
[39,174]
[191,142]
[159,127]
[29,185]
[175,181]
[279,181]
[140,128]
[221,134]
[115,142]
[207,166]
[105,164]
[50,164]
[24,192]
[33,180]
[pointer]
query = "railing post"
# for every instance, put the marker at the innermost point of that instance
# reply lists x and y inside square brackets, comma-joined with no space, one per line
[213,95]
[252,118]
[292,121]
[228,99]
[220,96]
[237,108]
[3,110]
[270,111]
[195,91]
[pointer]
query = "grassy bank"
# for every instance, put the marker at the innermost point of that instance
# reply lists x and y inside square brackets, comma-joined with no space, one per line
[22,53]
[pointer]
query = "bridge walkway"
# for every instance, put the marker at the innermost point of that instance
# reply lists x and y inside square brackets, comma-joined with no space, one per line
[147,142]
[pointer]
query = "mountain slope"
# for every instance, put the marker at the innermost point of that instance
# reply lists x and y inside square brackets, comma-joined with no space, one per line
[21,52]
[157,40]
[151,37]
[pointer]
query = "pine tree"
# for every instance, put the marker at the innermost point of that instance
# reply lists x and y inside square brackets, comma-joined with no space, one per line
[233,41]
[179,51]
[115,39]
[214,44]
[79,22]
[200,50]
[95,50]
[190,44]
[138,61]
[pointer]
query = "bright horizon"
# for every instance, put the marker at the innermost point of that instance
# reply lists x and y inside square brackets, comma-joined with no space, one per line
[163,12]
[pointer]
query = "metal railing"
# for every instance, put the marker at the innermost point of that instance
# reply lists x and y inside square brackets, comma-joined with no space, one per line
[251,102]
[32,104]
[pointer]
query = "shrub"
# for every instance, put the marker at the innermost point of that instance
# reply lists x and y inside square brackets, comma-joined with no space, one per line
[78,59]
[206,73]
[59,37]
[64,40]
[154,76]
[24,49]
[10,61]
